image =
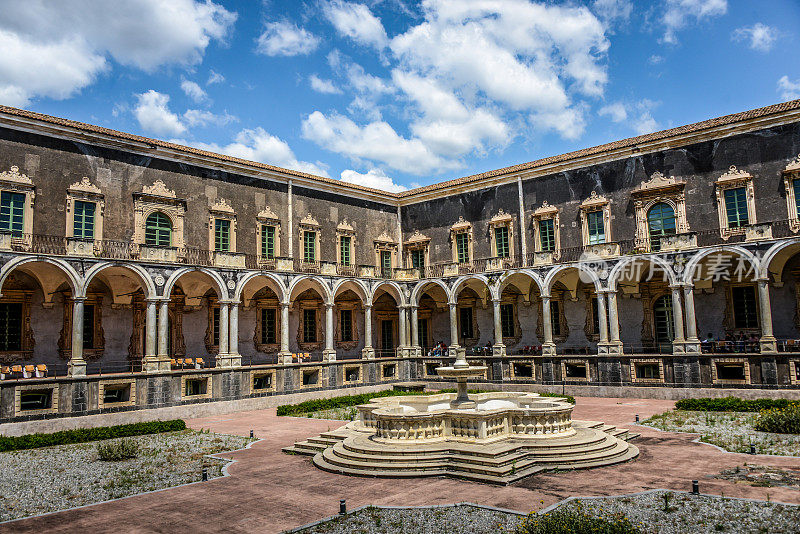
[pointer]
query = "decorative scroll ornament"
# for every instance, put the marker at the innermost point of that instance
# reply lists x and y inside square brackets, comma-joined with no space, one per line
[594,200]
[417,237]
[460,225]
[159,189]
[345,227]
[308,220]
[15,176]
[501,218]
[794,165]
[85,186]
[384,238]
[221,205]
[267,213]
[734,174]
[545,209]
[659,181]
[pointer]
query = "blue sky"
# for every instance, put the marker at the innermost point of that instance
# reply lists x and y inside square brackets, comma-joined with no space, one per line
[392,93]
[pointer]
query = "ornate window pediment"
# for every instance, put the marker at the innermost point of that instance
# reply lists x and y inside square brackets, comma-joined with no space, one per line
[345,245]
[157,198]
[309,239]
[221,226]
[546,229]
[268,228]
[659,189]
[416,249]
[18,192]
[596,219]
[461,241]
[385,253]
[502,238]
[86,219]
[791,180]
[735,201]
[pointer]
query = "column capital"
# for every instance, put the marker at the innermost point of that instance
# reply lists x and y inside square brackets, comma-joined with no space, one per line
[367,305]
[77,299]
[329,305]
[285,304]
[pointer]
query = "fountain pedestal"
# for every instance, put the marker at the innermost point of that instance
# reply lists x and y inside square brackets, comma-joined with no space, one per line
[461,371]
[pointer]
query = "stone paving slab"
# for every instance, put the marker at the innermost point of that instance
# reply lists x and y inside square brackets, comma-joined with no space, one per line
[270,491]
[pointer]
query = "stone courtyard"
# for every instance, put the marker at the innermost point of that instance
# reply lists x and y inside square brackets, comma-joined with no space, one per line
[269,491]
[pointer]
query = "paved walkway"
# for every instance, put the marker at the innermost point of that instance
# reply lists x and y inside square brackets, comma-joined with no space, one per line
[269,491]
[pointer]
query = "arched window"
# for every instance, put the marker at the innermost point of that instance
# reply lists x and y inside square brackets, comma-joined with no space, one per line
[158,230]
[662,319]
[660,223]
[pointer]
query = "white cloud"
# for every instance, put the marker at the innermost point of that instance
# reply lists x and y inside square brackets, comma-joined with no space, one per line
[198,117]
[193,91]
[55,49]
[258,145]
[154,115]
[215,77]
[283,38]
[759,36]
[615,111]
[638,115]
[789,90]
[357,22]
[613,11]
[323,86]
[374,178]
[655,59]
[680,13]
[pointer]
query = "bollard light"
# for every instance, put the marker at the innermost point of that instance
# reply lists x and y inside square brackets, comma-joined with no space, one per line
[251,433]
[695,487]
[205,474]
[342,506]
[637,417]
[752,449]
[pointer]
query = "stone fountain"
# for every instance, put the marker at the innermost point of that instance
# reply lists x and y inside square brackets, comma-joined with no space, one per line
[461,371]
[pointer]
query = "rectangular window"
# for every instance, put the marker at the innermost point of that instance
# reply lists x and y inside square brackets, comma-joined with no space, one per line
[222,235]
[595,315]
[386,263]
[346,325]
[215,327]
[268,326]
[596,226]
[547,235]
[507,319]
[88,326]
[465,314]
[12,211]
[309,326]
[745,308]
[83,220]
[10,326]
[418,258]
[501,241]
[462,247]
[267,241]
[736,207]
[555,317]
[309,247]
[422,333]
[796,187]
[344,249]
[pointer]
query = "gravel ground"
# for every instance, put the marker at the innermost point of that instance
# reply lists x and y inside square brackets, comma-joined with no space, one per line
[696,513]
[451,519]
[732,431]
[44,480]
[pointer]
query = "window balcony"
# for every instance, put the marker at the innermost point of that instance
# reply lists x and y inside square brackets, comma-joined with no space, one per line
[77,246]
[158,254]
[230,260]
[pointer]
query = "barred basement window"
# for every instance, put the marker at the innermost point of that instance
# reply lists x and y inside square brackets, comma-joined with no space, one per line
[575,370]
[388,371]
[352,374]
[501,241]
[344,249]
[268,326]
[647,370]
[736,207]
[346,325]
[745,308]
[83,219]
[267,241]
[523,370]
[262,382]
[462,247]
[547,235]
[309,247]
[466,322]
[309,326]
[417,258]
[115,394]
[158,230]
[310,378]
[222,235]
[731,371]
[196,386]
[12,212]
[507,319]
[596,226]
[10,326]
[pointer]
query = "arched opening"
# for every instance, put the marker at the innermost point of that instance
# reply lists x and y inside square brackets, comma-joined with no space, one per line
[574,312]
[348,324]
[387,320]
[660,224]
[260,321]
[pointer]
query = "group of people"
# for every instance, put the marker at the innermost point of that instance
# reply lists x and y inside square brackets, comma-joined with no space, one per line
[733,342]
[439,350]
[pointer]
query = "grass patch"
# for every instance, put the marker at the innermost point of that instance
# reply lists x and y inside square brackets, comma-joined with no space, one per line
[82,435]
[114,451]
[780,420]
[575,520]
[731,404]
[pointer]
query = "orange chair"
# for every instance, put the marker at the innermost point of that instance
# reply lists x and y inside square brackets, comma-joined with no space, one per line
[173,363]
[180,362]
[41,370]
[4,370]
[188,362]
[17,370]
[199,363]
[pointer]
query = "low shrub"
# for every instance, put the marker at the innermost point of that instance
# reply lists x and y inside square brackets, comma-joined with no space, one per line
[569,398]
[113,451]
[779,420]
[575,521]
[82,435]
[731,404]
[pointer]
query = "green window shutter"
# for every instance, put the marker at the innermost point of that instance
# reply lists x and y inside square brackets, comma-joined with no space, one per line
[507,320]
[547,235]
[501,241]
[267,241]
[310,247]
[222,235]
[660,223]
[88,326]
[736,207]
[158,230]
[597,230]
[555,317]
[83,219]
[386,263]
[462,247]
[466,322]
[417,258]
[344,249]
[12,212]
[215,327]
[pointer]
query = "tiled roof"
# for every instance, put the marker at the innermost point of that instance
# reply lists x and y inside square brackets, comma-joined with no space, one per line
[615,145]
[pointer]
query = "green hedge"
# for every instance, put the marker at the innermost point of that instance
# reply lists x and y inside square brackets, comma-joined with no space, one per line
[780,420]
[731,404]
[354,400]
[575,521]
[82,435]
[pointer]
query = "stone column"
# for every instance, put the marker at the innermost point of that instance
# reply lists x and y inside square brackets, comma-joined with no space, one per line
[615,344]
[284,356]
[678,344]
[548,347]
[402,330]
[454,347]
[768,343]
[692,342]
[222,353]
[499,348]
[77,365]
[329,354]
[234,358]
[150,356]
[415,347]
[368,352]
[602,320]
[161,363]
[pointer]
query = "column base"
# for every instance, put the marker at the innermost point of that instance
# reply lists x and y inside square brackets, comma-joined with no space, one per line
[76,368]
[329,355]
[548,349]
[405,352]
[609,348]
[157,364]
[284,358]
[415,352]
[682,347]
[229,360]
[768,345]
[498,350]
[368,353]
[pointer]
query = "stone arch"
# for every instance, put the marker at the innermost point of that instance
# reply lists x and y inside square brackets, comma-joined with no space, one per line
[396,292]
[421,287]
[351,284]
[779,254]
[462,282]
[74,280]
[694,263]
[218,282]
[138,271]
[309,282]
[586,271]
[282,291]
[508,278]
[619,268]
